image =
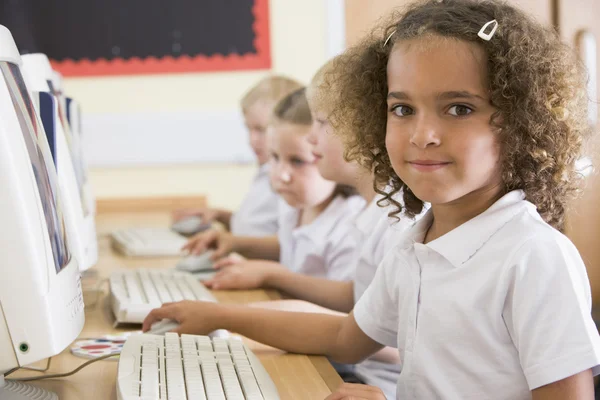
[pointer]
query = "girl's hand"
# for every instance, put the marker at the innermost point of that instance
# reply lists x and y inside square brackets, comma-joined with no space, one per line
[221,242]
[352,391]
[194,317]
[228,261]
[244,275]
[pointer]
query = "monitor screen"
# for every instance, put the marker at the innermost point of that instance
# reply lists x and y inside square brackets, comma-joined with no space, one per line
[76,155]
[41,162]
[49,121]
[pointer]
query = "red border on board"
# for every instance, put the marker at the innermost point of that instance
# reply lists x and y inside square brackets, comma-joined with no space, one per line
[168,64]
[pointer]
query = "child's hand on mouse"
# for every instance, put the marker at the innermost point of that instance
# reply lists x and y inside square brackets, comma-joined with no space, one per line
[193,317]
[221,242]
[353,391]
[208,215]
[228,261]
[247,275]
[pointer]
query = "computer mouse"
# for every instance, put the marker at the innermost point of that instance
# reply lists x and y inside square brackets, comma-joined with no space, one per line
[166,325]
[163,326]
[190,225]
[196,263]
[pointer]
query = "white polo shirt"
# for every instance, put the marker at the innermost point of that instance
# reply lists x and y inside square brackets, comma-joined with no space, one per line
[493,309]
[259,212]
[372,231]
[324,248]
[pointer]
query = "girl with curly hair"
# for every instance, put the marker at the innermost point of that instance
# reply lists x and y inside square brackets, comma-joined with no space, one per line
[474,108]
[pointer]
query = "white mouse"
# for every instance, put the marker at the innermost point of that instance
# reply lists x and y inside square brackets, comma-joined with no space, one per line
[196,263]
[166,325]
[190,225]
[163,326]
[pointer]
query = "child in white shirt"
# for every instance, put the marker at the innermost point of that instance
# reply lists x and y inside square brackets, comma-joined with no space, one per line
[258,212]
[370,230]
[312,237]
[478,110]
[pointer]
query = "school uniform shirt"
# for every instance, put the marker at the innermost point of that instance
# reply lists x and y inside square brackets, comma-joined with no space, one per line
[372,231]
[493,309]
[259,212]
[324,248]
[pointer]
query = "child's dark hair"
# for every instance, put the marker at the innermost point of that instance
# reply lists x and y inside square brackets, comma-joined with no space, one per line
[294,109]
[535,83]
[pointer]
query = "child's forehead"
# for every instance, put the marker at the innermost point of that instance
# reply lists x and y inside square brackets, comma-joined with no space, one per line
[289,136]
[260,109]
[435,62]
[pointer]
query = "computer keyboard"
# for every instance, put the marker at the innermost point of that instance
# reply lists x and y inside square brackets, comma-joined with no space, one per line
[134,293]
[148,242]
[191,367]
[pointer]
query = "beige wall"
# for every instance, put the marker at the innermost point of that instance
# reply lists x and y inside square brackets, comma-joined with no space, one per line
[298,45]
[362,15]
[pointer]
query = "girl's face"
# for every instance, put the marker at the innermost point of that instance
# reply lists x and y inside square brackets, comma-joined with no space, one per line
[438,135]
[256,118]
[294,174]
[328,150]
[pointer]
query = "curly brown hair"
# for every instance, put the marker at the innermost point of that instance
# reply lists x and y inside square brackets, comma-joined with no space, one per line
[536,84]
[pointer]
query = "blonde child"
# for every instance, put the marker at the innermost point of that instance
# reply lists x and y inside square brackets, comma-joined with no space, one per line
[257,215]
[480,111]
[312,237]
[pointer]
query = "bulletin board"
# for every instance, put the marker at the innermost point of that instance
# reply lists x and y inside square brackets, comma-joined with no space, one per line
[124,37]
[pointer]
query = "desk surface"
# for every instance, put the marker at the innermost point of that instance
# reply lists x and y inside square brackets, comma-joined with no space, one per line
[296,376]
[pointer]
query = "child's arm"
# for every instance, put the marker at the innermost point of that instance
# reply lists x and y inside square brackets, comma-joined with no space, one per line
[266,247]
[337,337]
[254,274]
[224,217]
[576,387]
[224,243]
[335,295]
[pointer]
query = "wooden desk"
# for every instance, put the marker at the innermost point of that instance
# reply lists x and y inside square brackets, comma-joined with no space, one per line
[296,376]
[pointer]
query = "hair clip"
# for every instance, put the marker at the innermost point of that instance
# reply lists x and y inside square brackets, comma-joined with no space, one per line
[388,38]
[488,36]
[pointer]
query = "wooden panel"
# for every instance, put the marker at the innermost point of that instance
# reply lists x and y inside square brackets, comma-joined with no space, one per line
[148,204]
[575,16]
[361,15]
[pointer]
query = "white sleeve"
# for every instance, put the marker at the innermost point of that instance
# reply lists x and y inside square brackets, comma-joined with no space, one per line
[340,258]
[548,312]
[376,312]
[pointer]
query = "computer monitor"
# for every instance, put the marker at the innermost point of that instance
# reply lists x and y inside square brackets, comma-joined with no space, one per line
[57,82]
[41,303]
[73,110]
[47,107]
[39,73]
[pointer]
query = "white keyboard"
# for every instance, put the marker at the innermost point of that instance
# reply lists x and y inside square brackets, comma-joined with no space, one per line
[148,242]
[191,367]
[134,293]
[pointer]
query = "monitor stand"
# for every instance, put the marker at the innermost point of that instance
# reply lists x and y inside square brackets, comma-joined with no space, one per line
[15,390]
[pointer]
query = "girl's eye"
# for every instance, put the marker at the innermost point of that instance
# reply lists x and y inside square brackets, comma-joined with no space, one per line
[460,110]
[297,162]
[274,156]
[402,111]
